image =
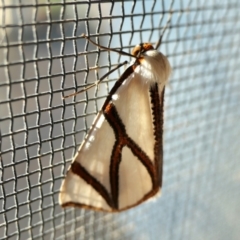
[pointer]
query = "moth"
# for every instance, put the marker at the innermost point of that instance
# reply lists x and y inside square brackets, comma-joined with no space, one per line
[119,164]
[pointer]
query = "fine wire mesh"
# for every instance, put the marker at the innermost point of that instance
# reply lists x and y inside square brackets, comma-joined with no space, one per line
[43,58]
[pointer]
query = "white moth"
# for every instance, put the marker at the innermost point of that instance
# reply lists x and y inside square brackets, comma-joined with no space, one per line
[119,163]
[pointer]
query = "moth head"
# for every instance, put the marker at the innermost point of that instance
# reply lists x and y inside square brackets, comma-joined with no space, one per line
[141,48]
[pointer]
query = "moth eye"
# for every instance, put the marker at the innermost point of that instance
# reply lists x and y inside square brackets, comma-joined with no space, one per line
[135,52]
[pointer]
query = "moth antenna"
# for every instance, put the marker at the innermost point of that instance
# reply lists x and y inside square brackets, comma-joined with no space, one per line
[97,82]
[108,49]
[158,43]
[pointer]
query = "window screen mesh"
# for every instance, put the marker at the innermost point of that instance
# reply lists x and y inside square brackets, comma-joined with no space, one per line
[43,58]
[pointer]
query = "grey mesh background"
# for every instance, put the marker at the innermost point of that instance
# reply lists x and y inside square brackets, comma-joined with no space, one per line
[43,58]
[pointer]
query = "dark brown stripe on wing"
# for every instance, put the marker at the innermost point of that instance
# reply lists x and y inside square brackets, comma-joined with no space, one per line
[122,139]
[157,113]
[115,122]
[88,178]
[142,156]
[118,84]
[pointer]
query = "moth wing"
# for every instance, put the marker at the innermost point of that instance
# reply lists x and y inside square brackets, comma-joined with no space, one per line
[89,181]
